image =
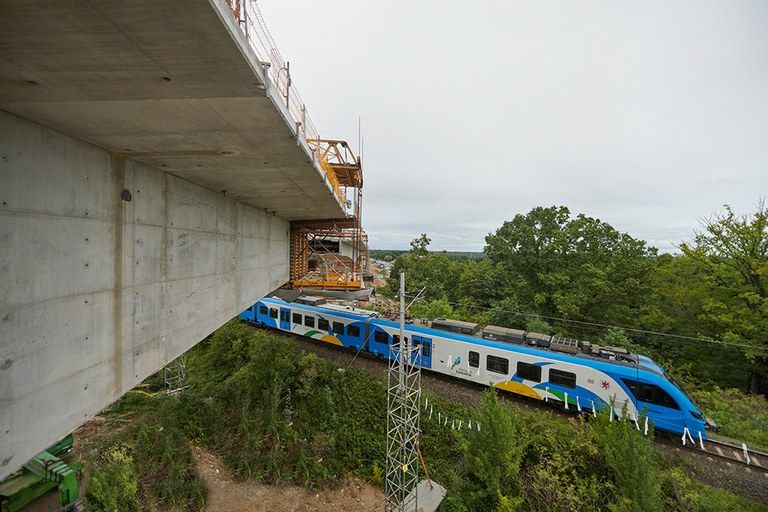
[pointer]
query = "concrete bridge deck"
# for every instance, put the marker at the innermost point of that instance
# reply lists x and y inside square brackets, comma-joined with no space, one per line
[149,172]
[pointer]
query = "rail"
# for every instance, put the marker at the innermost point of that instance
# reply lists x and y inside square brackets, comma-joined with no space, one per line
[251,22]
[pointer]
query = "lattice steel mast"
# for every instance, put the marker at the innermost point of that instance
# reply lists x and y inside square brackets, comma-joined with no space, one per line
[404,392]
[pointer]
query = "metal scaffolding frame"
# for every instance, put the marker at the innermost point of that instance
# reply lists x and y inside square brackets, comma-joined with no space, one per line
[175,375]
[344,172]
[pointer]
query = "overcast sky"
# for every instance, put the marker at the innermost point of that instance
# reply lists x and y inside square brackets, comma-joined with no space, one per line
[646,115]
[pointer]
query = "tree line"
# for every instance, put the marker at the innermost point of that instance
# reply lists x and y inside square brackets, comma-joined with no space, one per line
[702,312]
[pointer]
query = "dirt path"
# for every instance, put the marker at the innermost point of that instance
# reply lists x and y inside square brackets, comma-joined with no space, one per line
[225,494]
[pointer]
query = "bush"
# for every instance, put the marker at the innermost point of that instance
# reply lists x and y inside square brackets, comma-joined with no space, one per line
[113,485]
[739,415]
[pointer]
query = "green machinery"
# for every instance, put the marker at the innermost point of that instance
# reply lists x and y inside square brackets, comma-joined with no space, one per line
[58,466]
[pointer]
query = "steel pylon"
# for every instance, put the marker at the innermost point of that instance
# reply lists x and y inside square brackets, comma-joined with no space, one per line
[403,415]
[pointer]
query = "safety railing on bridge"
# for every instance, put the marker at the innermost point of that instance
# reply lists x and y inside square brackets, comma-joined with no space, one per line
[252,24]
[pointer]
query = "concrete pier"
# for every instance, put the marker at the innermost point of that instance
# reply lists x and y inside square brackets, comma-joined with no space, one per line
[148,177]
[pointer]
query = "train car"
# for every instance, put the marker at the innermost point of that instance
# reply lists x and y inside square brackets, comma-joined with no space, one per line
[579,375]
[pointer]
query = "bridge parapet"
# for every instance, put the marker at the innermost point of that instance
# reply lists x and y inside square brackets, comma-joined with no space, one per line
[278,71]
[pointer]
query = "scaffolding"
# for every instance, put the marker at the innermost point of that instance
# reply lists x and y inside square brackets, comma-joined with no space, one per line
[175,375]
[317,247]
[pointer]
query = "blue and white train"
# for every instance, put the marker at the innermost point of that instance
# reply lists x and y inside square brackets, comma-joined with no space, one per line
[580,375]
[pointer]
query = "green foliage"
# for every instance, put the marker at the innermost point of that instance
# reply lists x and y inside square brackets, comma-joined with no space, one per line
[113,485]
[739,415]
[147,465]
[575,268]
[629,457]
[492,455]
[732,256]
[432,309]
[689,495]
[284,418]
[434,272]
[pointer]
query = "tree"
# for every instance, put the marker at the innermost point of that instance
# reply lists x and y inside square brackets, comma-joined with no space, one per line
[732,255]
[576,268]
[424,269]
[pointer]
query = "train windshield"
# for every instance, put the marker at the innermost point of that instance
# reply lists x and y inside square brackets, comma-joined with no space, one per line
[678,386]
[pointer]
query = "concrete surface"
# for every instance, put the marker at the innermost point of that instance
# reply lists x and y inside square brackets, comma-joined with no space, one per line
[99,292]
[163,103]
[172,84]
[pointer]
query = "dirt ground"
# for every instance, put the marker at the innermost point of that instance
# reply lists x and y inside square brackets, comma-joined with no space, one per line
[225,494]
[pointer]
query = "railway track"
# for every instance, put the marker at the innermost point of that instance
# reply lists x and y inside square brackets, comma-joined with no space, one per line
[712,451]
[743,456]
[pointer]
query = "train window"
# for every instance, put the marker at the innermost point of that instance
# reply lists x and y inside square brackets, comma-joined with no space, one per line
[263,310]
[529,372]
[297,318]
[565,379]
[651,393]
[380,337]
[497,364]
[353,330]
[338,327]
[322,324]
[474,359]
[426,350]
[416,342]
[395,339]
[273,312]
[309,321]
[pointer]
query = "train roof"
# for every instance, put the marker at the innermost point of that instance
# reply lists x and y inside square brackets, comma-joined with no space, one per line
[643,362]
[343,311]
[598,362]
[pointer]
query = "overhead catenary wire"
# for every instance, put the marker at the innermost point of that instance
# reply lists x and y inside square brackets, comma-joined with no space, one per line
[759,350]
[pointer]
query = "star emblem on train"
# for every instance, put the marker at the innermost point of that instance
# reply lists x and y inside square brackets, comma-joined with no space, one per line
[605,384]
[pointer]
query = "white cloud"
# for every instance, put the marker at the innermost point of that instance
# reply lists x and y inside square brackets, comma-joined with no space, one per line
[646,115]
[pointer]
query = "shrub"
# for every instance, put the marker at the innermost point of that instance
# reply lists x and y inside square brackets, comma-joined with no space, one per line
[113,485]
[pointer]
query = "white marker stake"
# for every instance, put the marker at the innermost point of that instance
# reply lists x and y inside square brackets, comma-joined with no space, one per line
[646,425]
[478,426]
[426,402]
[578,404]
[701,440]
[460,422]
[637,424]
[546,394]
[470,424]
[430,413]
[611,421]
[566,401]
[691,437]
[594,412]
[439,417]
[685,431]
[445,423]
[746,453]
[453,424]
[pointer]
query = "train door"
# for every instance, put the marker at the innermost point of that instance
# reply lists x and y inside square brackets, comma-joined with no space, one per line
[285,319]
[422,351]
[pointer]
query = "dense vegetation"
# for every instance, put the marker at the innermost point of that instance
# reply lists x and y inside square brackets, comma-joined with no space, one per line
[703,312]
[282,418]
[279,417]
